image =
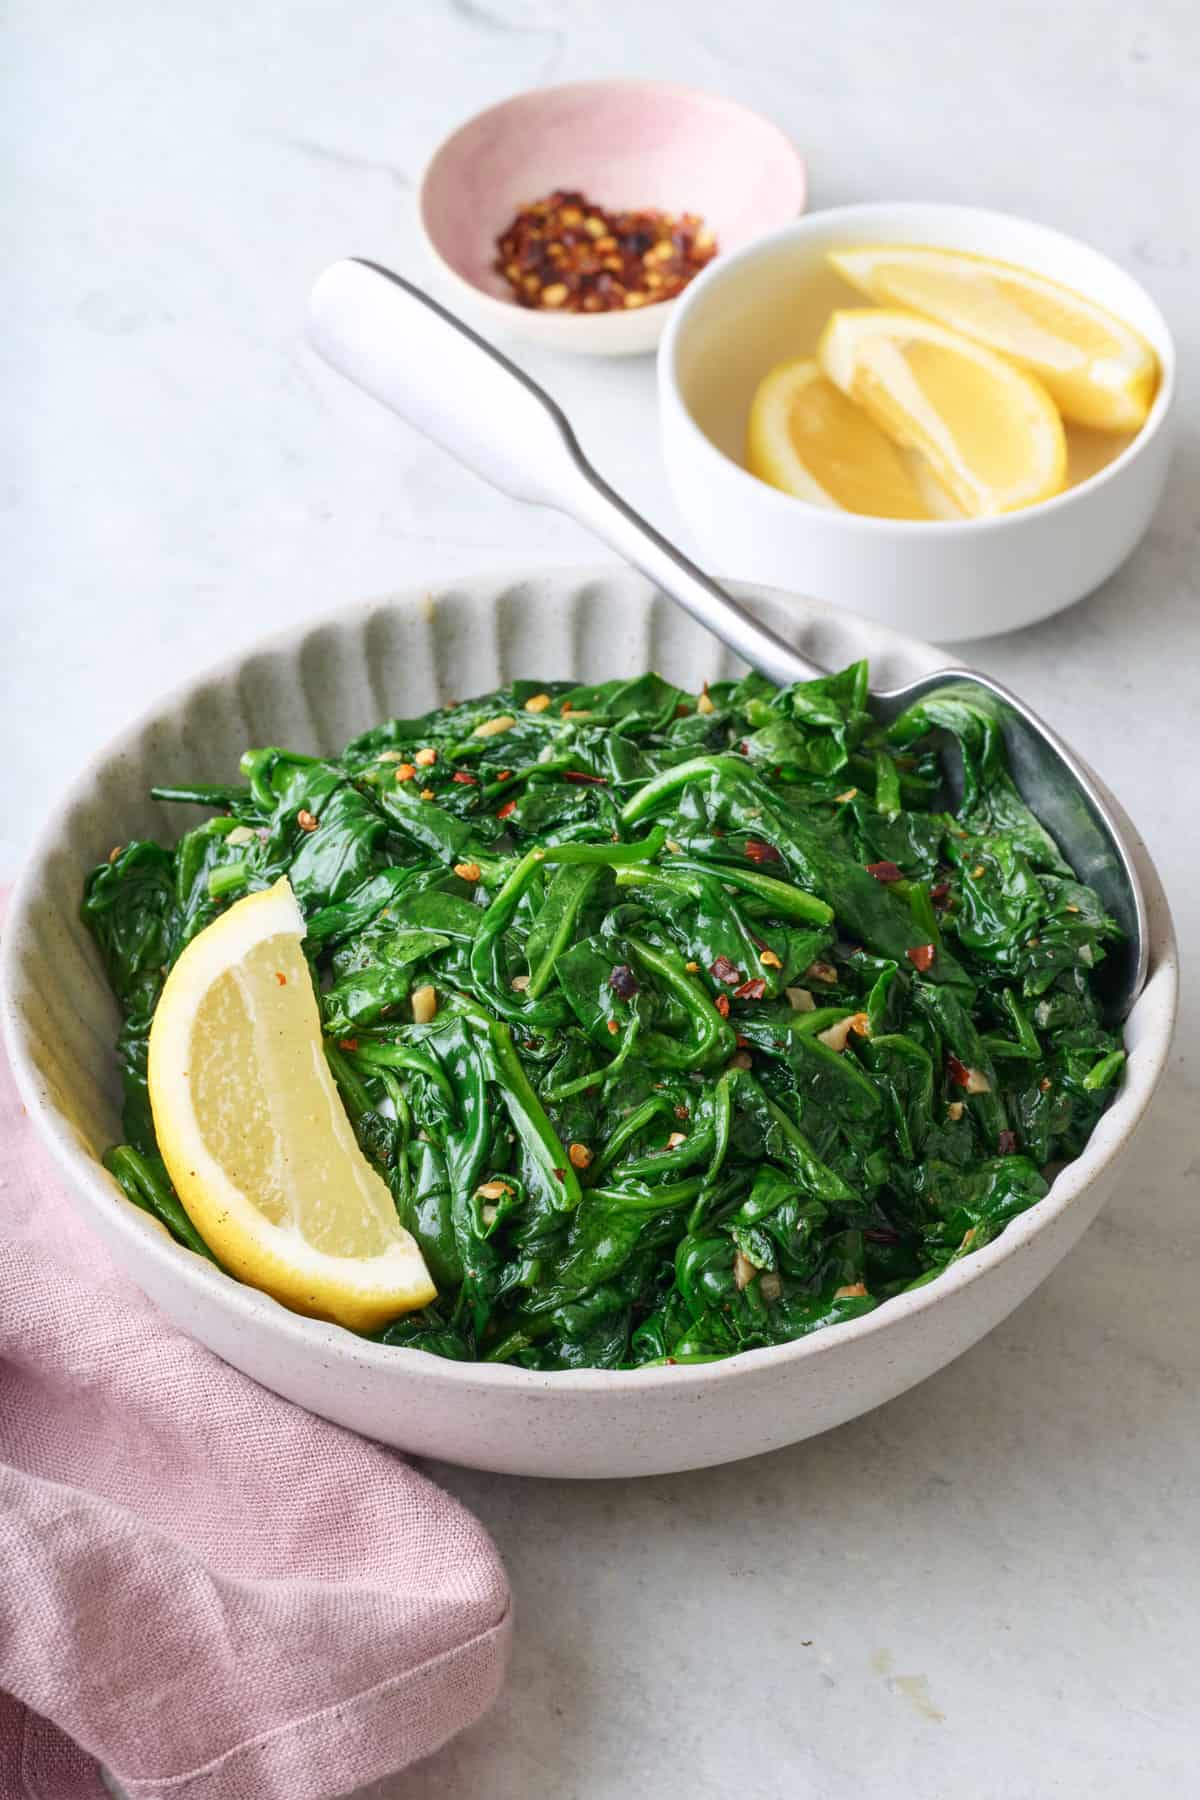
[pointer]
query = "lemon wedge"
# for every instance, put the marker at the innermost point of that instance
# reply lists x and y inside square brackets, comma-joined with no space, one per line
[1098,370]
[253,1131]
[989,431]
[805,437]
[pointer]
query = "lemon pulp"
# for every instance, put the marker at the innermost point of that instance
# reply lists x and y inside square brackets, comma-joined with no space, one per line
[253,1131]
[989,431]
[808,439]
[1098,370]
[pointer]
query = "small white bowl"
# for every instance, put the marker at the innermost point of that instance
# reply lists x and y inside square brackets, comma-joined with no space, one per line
[315,686]
[958,578]
[632,144]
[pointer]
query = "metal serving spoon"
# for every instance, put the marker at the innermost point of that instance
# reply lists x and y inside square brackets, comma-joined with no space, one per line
[410,353]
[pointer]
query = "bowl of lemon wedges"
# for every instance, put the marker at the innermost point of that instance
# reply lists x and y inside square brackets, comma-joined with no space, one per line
[954,421]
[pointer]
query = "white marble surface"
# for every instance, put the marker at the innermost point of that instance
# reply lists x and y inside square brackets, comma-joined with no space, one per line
[989,1588]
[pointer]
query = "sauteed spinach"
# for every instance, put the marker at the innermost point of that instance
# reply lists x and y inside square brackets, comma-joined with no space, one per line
[678,1025]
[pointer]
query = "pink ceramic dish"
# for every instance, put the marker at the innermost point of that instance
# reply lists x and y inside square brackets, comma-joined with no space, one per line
[624,144]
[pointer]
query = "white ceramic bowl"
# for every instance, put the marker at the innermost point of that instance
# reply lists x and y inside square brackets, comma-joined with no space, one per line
[631,144]
[952,579]
[314,688]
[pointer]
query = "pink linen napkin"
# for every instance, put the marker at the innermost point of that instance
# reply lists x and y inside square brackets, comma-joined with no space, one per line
[210,1592]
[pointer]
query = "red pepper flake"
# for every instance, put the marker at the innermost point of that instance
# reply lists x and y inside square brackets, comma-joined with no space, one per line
[885,871]
[566,254]
[743,1043]
[939,893]
[921,956]
[347,1043]
[510,806]
[281,978]
[504,775]
[722,1005]
[613,1027]
[583,779]
[743,748]
[822,971]
[754,989]
[561,1173]
[758,852]
[724,970]
[463,779]
[1006,1142]
[682,711]
[957,1071]
[623,982]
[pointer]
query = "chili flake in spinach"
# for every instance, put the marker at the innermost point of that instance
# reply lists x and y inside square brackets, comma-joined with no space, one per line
[730,1029]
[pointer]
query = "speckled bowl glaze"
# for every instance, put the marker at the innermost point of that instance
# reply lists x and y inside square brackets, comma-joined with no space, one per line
[623,144]
[314,688]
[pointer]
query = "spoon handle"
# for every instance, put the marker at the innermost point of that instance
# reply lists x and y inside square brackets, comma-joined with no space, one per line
[405,350]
